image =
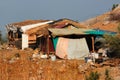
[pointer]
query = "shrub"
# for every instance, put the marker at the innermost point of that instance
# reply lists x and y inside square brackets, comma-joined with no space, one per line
[113,42]
[93,76]
[107,76]
[114,6]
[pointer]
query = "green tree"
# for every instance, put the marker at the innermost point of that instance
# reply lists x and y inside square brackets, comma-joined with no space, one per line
[114,6]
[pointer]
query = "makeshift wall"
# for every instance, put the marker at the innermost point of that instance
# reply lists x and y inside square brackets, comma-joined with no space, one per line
[18,43]
[24,41]
[72,48]
[32,37]
[42,44]
[51,46]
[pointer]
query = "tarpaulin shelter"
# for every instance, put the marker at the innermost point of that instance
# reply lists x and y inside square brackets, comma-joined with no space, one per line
[70,43]
[68,48]
[47,38]
[65,41]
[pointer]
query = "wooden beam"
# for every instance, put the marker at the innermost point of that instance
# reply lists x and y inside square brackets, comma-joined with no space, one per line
[93,41]
[48,50]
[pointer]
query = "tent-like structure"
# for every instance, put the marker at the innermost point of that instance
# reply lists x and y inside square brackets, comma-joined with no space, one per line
[68,48]
[70,43]
[75,43]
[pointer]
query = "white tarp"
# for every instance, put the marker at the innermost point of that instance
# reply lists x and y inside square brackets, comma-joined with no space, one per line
[27,27]
[72,48]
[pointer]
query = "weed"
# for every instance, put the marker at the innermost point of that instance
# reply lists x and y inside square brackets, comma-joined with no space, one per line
[93,76]
[107,76]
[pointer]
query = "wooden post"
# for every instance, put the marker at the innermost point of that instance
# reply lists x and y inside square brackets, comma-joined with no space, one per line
[93,41]
[16,35]
[48,46]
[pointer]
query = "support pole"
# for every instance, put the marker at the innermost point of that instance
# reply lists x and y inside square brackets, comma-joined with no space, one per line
[93,41]
[48,50]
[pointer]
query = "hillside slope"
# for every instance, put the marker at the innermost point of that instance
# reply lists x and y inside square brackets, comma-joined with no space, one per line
[106,21]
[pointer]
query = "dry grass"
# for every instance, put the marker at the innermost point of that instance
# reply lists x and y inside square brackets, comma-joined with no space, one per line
[25,68]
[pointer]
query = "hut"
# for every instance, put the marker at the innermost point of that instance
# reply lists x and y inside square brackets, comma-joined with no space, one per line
[47,34]
[18,35]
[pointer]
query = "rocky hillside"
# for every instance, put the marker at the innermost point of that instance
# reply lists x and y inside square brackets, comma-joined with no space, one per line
[108,21]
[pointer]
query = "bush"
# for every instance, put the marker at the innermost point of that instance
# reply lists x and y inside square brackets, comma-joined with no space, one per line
[93,76]
[114,45]
[107,76]
[114,6]
[113,42]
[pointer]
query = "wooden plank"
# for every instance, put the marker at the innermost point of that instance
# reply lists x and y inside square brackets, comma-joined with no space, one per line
[93,41]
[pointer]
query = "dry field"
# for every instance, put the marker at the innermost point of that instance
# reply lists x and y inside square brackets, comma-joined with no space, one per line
[19,65]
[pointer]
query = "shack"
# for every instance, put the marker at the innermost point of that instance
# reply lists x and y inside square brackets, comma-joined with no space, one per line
[18,36]
[53,36]
[71,43]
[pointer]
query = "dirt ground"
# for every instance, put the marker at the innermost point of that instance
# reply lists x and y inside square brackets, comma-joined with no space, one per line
[19,65]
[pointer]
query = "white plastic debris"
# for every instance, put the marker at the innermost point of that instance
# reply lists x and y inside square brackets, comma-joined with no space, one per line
[35,55]
[53,57]
[44,56]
